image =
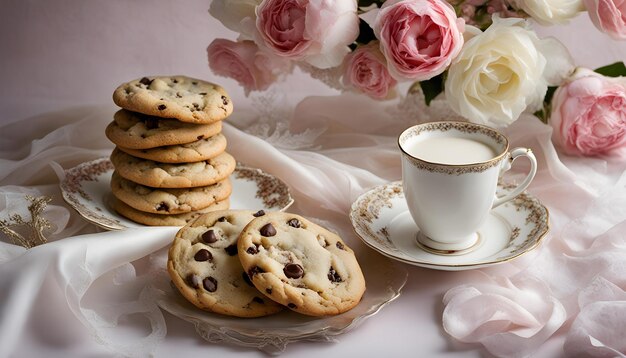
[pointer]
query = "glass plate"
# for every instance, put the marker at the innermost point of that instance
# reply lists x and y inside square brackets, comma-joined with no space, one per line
[384,279]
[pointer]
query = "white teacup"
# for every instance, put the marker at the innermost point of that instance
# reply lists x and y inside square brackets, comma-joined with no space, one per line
[450,174]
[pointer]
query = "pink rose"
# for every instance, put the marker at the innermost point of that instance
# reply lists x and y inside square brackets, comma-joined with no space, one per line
[316,31]
[609,16]
[245,63]
[365,69]
[589,114]
[419,38]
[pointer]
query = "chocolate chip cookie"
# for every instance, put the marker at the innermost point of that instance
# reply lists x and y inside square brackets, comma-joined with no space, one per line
[300,264]
[162,175]
[186,99]
[151,219]
[197,151]
[139,131]
[203,264]
[168,201]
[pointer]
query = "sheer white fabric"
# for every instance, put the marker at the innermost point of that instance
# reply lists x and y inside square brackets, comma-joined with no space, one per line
[328,150]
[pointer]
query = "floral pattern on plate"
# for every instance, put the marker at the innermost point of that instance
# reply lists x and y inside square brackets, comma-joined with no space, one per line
[86,188]
[381,219]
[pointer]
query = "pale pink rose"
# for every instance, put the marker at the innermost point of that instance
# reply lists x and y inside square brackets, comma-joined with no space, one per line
[315,31]
[245,63]
[609,16]
[365,70]
[418,38]
[589,114]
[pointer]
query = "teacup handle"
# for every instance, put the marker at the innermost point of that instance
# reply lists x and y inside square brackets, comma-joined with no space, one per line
[514,154]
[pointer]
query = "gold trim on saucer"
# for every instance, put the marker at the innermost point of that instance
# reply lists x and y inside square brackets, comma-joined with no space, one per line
[368,207]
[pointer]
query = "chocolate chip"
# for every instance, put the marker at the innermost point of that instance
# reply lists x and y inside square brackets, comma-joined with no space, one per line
[294,223]
[209,237]
[200,136]
[202,93]
[269,291]
[143,136]
[231,250]
[339,245]
[203,255]
[162,107]
[225,100]
[193,281]
[258,213]
[254,270]
[222,219]
[293,271]
[333,276]
[258,300]
[174,80]
[162,206]
[268,230]
[252,250]
[291,305]
[210,284]
[194,83]
[178,95]
[247,279]
[145,81]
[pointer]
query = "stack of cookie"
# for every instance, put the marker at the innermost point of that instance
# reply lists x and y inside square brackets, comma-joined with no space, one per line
[246,264]
[170,160]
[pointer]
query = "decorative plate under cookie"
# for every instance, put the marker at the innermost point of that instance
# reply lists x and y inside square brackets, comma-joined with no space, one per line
[86,188]
[271,334]
[381,219]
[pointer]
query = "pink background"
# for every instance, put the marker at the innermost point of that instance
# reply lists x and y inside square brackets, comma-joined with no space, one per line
[60,53]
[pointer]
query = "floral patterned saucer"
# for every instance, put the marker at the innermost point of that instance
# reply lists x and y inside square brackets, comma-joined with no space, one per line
[381,219]
[86,189]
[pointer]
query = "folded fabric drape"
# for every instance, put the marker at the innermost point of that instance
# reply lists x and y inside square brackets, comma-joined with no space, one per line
[328,150]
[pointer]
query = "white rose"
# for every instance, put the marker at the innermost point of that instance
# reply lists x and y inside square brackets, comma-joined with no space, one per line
[549,12]
[236,15]
[504,71]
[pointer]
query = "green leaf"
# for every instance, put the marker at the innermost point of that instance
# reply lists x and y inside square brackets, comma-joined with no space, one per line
[368,3]
[544,112]
[616,69]
[542,115]
[432,88]
[366,33]
[549,94]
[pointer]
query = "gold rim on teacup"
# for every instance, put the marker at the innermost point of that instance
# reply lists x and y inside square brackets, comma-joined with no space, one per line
[463,127]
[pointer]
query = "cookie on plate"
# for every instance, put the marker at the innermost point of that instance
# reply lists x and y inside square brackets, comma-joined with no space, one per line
[186,99]
[197,151]
[163,175]
[140,131]
[300,264]
[151,219]
[204,266]
[168,201]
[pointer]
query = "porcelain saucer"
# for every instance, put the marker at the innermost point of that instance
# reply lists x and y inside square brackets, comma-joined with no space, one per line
[381,219]
[86,187]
